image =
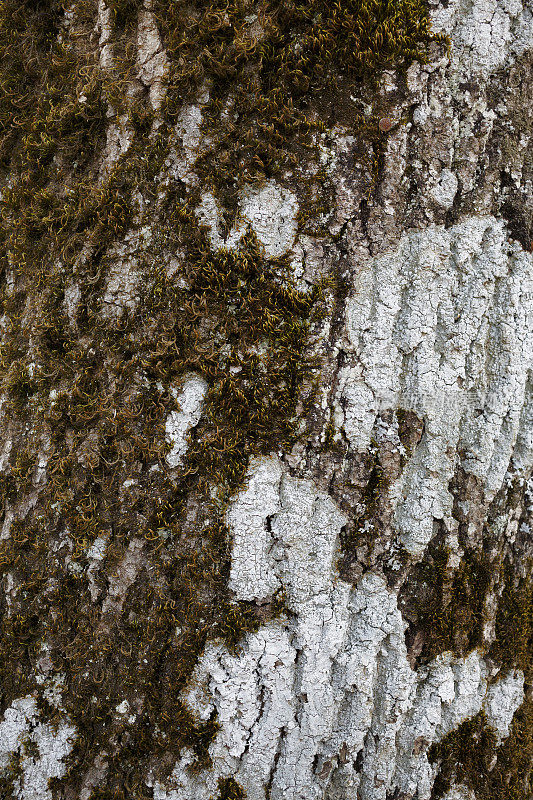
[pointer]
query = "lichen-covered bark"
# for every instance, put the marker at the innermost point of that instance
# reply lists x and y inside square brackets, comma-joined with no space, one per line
[266,400]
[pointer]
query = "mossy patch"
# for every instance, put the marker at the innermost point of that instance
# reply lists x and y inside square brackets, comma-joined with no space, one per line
[267,68]
[229,789]
[513,643]
[445,606]
[9,775]
[447,610]
[470,756]
[454,600]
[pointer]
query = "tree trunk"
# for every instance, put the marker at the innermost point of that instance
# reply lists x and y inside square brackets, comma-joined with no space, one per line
[267,400]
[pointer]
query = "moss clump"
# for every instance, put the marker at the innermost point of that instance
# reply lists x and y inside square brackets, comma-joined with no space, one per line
[10,773]
[449,609]
[229,789]
[463,753]
[104,420]
[513,644]
[470,756]
[124,12]
[447,605]
[276,74]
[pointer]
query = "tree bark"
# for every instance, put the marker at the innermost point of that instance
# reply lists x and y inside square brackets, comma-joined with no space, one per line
[267,400]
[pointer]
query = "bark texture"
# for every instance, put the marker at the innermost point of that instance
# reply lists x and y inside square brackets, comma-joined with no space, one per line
[267,400]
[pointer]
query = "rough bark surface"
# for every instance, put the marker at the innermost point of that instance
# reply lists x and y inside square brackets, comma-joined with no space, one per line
[267,431]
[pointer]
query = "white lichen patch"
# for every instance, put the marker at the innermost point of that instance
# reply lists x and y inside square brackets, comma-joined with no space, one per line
[121,289]
[209,214]
[126,573]
[252,576]
[105,29]
[485,34]
[39,748]
[308,262]
[98,549]
[26,501]
[190,402]
[52,684]
[123,707]
[503,698]
[188,129]
[72,300]
[95,556]
[152,61]
[328,686]
[270,211]
[288,540]
[119,133]
[119,136]
[448,692]
[443,325]
[445,189]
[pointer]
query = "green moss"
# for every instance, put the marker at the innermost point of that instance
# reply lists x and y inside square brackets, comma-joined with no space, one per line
[447,605]
[470,756]
[229,789]
[269,70]
[464,753]
[448,608]
[124,12]
[513,644]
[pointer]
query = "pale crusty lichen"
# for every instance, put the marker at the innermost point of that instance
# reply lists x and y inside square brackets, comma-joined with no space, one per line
[39,748]
[328,686]
[485,34]
[418,335]
[190,400]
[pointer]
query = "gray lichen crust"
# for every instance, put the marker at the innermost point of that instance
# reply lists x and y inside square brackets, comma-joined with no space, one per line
[443,326]
[324,703]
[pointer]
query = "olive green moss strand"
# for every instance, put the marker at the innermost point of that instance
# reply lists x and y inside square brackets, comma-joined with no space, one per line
[513,644]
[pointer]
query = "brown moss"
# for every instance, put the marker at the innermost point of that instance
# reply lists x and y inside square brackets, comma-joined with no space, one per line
[445,606]
[269,70]
[448,606]
[513,644]
[470,756]
[462,753]
[229,789]
[10,773]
